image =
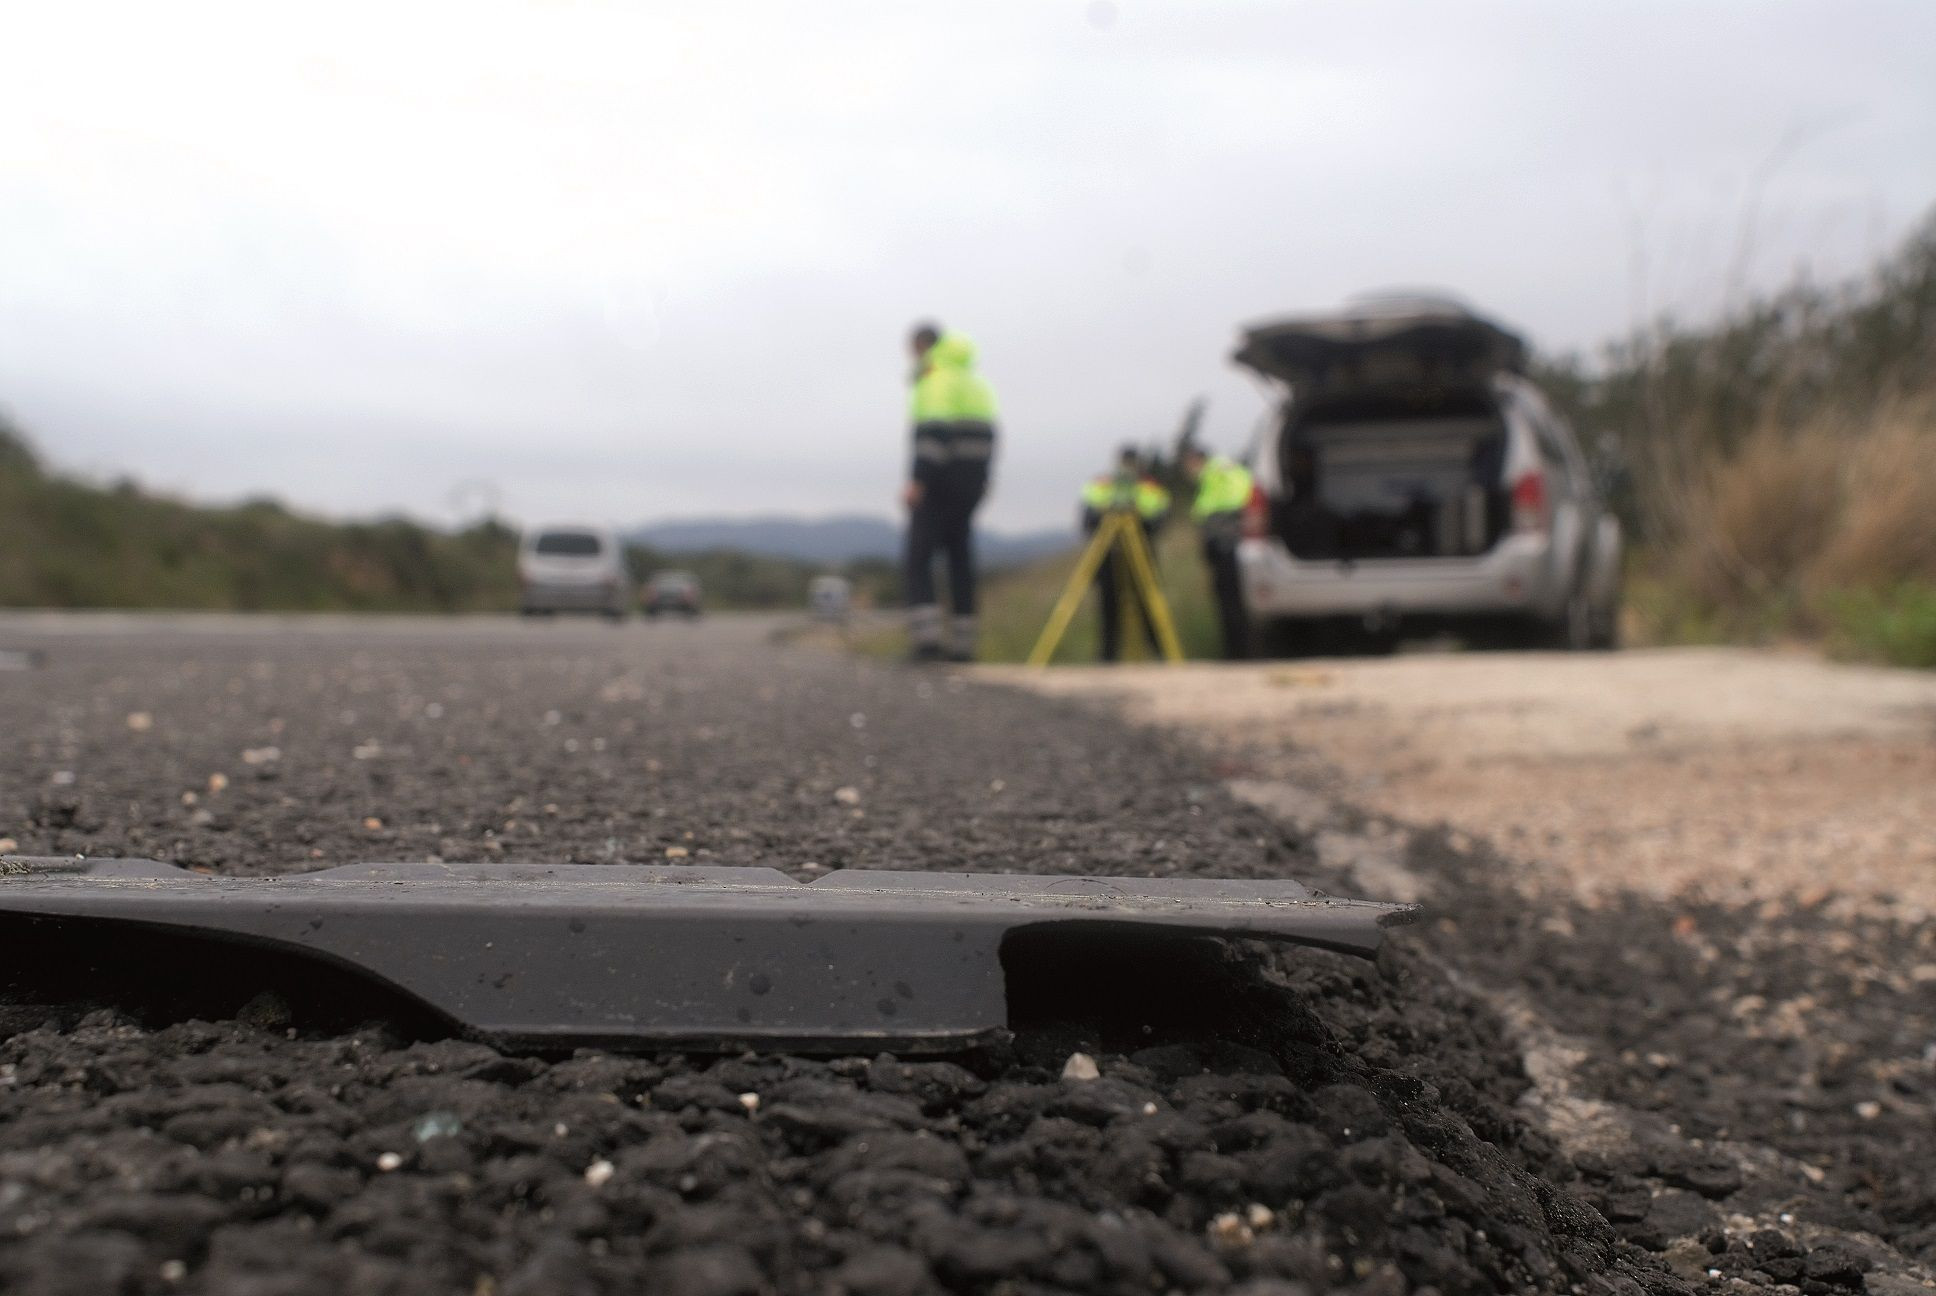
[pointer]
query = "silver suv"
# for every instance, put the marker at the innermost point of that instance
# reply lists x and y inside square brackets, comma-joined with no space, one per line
[1412,476]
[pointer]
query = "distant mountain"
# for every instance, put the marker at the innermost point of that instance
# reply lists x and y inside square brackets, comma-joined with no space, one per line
[829,540]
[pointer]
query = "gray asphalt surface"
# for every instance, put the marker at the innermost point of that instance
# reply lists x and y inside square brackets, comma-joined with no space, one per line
[1267,1122]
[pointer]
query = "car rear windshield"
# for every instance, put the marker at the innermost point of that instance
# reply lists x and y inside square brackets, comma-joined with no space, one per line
[568,544]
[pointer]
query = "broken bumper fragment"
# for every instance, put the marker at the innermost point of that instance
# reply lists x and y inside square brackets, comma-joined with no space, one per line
[570,955]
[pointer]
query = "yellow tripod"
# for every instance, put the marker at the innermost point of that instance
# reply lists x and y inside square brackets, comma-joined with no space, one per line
[1120,531]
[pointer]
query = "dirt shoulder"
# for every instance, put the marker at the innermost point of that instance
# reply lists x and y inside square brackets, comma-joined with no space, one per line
[1717,772]
[1695,886]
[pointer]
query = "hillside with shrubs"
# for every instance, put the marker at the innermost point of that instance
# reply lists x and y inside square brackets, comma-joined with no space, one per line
[1778,470]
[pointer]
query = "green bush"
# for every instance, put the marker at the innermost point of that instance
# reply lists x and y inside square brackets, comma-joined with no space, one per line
[66,543]
[1898,627]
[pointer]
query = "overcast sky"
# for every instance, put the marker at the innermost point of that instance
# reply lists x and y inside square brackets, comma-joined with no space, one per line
[628,261]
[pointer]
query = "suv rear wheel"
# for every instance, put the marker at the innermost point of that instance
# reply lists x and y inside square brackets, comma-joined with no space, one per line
[1574,631]
[1606,623]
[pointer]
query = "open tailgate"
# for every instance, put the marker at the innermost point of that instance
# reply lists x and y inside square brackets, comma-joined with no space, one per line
[1382,345]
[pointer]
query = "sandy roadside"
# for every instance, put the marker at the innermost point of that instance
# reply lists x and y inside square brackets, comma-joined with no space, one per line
[1729,773]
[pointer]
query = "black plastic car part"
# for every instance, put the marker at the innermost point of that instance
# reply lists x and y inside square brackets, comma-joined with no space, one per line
[567,955]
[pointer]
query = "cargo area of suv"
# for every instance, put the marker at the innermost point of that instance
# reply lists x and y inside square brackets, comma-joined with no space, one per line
[1413,474]
[1376,479]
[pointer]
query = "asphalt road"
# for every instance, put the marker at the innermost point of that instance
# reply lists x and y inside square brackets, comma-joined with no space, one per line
[1264,1121]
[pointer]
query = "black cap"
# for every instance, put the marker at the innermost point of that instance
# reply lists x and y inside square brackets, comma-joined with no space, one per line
[925,334]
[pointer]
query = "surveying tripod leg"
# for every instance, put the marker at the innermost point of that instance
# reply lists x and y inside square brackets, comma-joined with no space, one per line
[1143,570]
[1079,581]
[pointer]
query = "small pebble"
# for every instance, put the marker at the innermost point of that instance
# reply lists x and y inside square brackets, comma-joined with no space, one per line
[750,1101]
[847,795]
[140,721]
[436,1125]
[1229,1230]
[388,1162]
[373,823]
[217,782]
[677,852]
[1868,1110]
[173,1271]
[599,1173]
[1080,1066]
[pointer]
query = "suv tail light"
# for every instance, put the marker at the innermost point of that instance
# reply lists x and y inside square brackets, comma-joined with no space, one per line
[1256,515]
[1529,501]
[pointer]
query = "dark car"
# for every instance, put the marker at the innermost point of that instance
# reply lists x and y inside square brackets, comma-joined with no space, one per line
[672,593]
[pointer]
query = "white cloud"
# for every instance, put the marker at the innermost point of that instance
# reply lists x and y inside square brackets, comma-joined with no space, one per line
[642,259]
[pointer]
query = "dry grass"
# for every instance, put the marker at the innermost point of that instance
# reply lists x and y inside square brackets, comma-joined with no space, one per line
[1815,530]
[1887,531]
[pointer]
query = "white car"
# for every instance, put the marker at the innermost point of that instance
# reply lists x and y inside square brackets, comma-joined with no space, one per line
[830,597]
[1412,476]
[573,568]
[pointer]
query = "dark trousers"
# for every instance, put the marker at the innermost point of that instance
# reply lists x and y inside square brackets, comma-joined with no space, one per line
[1220,553]
[1112,581]
[942,525]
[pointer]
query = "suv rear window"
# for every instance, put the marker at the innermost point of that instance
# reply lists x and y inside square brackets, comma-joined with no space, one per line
[568,544]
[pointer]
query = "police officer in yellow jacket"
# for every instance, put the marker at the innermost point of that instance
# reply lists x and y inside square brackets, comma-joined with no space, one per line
[953,412]
[1223,490]
[1128,488]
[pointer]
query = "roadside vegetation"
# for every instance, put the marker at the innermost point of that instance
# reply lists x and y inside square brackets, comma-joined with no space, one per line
[734,580]
[1021,599]
[68,543]
[1016,603]
[1778,472]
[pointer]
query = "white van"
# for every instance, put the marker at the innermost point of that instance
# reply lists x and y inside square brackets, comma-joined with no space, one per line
[573,568]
